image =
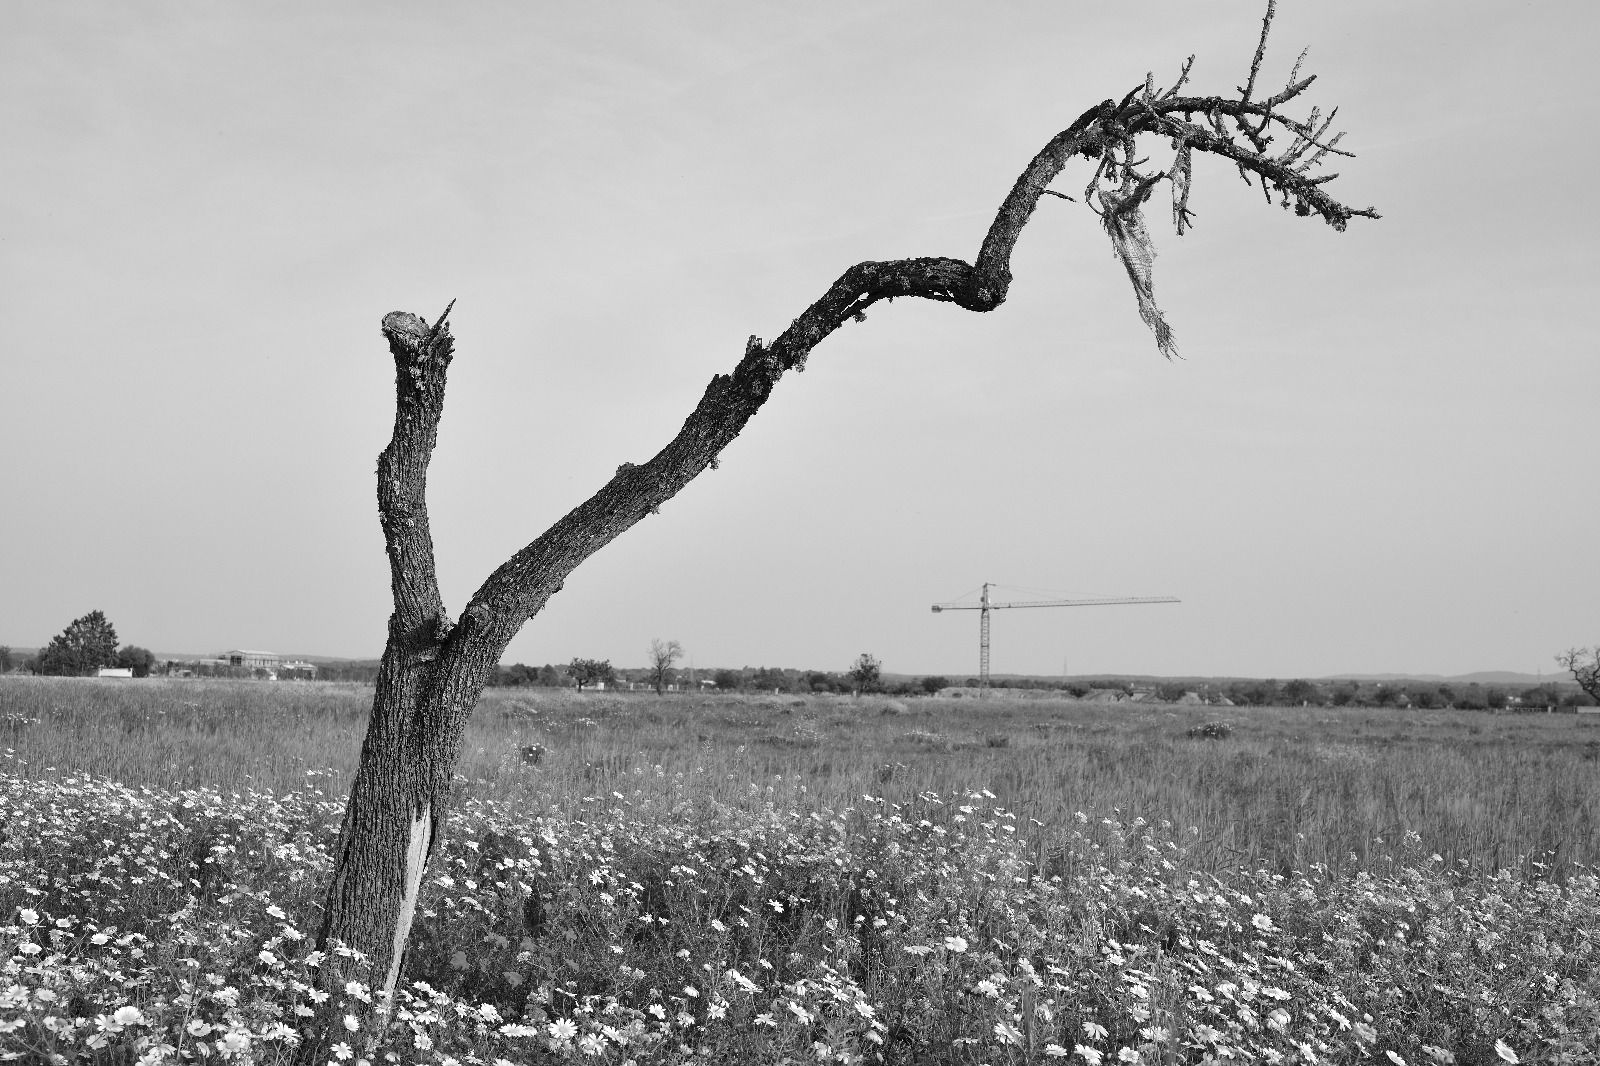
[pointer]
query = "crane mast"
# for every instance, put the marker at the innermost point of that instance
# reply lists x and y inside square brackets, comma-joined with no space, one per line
[985,605]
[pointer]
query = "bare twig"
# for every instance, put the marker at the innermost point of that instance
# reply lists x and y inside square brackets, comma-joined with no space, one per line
[434,332]
[1183,79]
[1294,71]
[1261,49]
[1182,182]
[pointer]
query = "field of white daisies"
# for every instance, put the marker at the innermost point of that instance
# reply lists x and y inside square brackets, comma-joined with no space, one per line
[614,910]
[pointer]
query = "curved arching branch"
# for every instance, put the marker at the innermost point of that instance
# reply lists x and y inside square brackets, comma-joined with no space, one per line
[519,588]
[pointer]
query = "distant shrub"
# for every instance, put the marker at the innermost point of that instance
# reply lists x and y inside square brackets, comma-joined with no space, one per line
[933,741]
[803,735]
[892,707]
[997,740]
[889,771]
[1211,731]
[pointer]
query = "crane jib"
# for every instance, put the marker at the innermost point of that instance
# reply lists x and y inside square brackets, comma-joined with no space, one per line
[986,605]
[1056,603]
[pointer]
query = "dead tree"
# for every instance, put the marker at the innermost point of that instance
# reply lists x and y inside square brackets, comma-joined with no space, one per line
[1584,665]
[435,665]
[662,655]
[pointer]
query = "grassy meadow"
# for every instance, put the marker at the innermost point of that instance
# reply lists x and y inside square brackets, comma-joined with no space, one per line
[772,878]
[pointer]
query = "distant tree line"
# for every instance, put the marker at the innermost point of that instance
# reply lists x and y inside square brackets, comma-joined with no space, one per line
[867,677]
[768,679]
[580,673]
[520,675]
[1257,692]
[861,677]
[1418,694]
[364,671]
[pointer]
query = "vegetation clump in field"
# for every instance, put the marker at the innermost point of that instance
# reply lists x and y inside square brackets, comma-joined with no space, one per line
[1211,731]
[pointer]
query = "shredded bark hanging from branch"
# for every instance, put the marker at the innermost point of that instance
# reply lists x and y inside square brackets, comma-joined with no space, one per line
[1123,220]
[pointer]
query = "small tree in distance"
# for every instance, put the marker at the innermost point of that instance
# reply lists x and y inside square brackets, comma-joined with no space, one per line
[79,650]
[769,678]
[589,671]
[662,656]
[865,673]
[140,660]
[1584,665]
[1300,691]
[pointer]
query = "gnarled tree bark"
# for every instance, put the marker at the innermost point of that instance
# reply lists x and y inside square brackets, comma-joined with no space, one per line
[434,668]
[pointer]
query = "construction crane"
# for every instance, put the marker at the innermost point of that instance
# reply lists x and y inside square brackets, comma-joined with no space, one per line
[986,605]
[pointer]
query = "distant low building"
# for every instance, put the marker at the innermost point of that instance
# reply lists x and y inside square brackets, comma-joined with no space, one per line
[114,671]
[254,660]
[242,663]
[268,665]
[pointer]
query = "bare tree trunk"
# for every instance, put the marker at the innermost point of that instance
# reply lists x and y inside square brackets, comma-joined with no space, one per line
[396,806]
[434,670]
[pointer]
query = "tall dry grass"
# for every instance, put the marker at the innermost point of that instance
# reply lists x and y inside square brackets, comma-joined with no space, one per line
[1287,788]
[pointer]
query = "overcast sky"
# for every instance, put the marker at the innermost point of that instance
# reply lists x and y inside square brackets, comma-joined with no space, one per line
[1377,454]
